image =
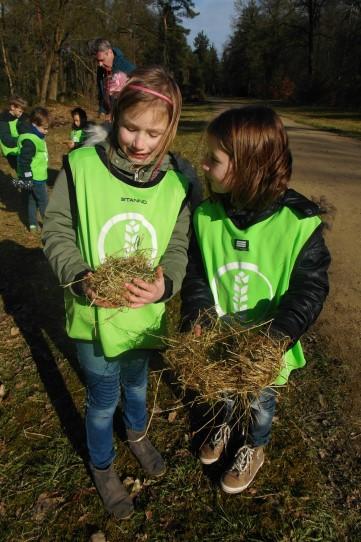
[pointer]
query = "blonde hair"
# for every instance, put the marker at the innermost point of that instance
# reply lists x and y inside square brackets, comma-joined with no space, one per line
[156,79]
[256,142]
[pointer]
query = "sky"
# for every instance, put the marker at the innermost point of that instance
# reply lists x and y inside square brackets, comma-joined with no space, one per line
[214,19]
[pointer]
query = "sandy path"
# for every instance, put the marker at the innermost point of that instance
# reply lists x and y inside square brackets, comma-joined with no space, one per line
[329,165]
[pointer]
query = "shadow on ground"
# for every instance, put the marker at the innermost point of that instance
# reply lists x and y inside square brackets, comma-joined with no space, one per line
[34,300]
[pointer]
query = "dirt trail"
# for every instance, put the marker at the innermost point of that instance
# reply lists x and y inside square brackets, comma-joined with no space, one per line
[329,165]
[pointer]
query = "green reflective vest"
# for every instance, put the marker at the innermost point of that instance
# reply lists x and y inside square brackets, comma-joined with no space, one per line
[39,163]
[14,133]
[249,269]
[77,136]
[114,218]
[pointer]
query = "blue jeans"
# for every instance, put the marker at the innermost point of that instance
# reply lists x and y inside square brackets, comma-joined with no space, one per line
[258,432]
[104,378]
[262,412]
[38,199]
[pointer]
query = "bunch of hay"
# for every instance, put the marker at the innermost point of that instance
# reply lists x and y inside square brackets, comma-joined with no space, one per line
[108,281]
[227,360]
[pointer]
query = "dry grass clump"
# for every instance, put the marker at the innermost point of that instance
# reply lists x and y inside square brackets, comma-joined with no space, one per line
[227,360]
[110,277]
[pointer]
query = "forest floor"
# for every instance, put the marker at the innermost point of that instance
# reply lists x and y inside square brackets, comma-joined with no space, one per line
[309,487]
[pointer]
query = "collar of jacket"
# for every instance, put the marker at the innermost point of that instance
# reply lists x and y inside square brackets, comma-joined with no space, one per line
[142,174]
[292,199]
[6,116]
[35,131]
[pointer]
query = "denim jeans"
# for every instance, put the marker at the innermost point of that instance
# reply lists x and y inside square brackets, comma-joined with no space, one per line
[262,412]
[104,379]
[258,432]
[38,199]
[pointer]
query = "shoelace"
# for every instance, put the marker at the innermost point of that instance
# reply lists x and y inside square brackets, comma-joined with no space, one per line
[223,434]
[243,458]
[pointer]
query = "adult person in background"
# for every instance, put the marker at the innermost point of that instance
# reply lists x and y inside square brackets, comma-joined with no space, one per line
[112,72]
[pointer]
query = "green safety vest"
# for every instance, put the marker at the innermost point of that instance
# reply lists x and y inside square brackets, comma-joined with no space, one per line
[39,163]
[249,269]
[14,133]
[77,136]
[115,218]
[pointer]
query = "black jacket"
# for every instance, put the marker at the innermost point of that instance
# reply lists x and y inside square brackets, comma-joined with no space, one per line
[308,288]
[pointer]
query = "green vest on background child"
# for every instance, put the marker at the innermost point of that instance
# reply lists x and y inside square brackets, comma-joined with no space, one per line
[14,134]
[32,166]
[77,135]
[78,129]
[10,122]
[35,168]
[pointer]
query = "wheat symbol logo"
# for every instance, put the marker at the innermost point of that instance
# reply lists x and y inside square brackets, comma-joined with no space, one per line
[131,237]
[240,292]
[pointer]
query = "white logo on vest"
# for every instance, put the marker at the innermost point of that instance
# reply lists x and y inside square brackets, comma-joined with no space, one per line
[134,223]
[241,274]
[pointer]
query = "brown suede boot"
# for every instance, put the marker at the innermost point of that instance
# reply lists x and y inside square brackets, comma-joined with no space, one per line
[115,497]
[149,458]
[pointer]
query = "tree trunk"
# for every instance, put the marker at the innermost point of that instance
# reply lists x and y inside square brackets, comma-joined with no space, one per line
[54,79]
[311,30]
[46,77]
[7,67]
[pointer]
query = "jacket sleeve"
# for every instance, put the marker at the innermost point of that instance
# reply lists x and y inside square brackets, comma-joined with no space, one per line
[308,288]
[25,157]
[196,295]
[59,235]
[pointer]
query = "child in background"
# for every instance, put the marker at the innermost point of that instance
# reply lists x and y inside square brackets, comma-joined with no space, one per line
[136,199]
[33,165]
[10,122]
[79,126]
[257,253]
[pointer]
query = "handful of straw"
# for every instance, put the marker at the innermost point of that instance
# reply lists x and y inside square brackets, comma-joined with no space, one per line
[108,281]
[227,359]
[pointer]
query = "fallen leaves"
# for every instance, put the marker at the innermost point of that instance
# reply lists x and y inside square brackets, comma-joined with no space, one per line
[46,502]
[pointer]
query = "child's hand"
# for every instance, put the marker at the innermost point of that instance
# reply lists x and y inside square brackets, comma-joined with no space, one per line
[142,293]
[70,144]
[197,330]
[91,295]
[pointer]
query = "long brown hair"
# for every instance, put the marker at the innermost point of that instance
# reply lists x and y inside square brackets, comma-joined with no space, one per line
[155,78]
[256,141]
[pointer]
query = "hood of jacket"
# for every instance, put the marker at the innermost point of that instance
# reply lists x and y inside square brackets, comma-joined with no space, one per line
[98,135]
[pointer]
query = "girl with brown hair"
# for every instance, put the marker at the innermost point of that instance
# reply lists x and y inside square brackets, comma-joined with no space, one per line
[257,254]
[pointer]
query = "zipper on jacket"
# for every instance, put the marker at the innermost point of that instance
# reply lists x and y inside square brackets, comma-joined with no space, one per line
[138,175]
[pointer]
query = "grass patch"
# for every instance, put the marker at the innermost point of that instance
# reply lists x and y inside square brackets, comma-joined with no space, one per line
[339,121]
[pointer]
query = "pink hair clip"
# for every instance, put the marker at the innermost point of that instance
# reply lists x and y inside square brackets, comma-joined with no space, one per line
[151,91]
